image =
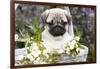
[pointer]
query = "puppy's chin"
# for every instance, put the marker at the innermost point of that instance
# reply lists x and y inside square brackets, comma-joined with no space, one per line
[58,38]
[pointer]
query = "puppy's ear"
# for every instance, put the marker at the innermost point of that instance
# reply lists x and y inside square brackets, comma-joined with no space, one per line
[68,14]
[44,16]
[69,17]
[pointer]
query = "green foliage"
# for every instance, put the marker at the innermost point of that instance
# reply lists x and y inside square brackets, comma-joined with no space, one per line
[37,39]
[37,31]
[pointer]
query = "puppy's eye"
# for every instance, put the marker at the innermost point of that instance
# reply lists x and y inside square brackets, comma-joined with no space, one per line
[50,23]
[64,23]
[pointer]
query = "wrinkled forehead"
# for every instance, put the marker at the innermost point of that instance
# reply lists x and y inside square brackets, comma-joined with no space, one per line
[56,15]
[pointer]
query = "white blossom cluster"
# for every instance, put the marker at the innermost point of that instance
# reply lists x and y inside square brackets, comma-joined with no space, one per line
[73,47]
[42,55]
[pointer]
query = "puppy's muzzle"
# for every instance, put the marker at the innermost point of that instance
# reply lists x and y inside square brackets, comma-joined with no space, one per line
[57,31]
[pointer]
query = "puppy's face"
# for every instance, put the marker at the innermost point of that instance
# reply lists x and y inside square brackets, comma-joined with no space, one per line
[56,20]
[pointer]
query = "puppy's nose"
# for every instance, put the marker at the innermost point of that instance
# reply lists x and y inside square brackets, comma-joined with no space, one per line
[57,28]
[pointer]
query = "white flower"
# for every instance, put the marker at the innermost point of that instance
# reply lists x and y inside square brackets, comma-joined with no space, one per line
[31,37]
[29,56]
[73,55]
[50,60]
[78,49]
[34,45]
[68,51]
[20,57]
[36,62]
[72,47]
[16,37]
[45,52]
[77,38]
[76,45]
[36,52]
[72,44]
[60,51]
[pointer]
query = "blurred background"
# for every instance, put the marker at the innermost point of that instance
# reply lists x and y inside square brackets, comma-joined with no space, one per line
[83,21]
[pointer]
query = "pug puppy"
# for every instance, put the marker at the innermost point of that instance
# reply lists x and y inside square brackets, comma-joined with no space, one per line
[58,28]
